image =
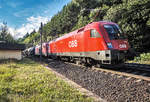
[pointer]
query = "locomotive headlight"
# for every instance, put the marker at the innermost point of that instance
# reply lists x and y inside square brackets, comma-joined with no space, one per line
[109,45]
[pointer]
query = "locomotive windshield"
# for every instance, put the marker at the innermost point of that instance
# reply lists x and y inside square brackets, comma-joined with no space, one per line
[114,32]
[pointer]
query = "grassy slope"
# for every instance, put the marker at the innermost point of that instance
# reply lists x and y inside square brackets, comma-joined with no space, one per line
[143,58]
[28,81]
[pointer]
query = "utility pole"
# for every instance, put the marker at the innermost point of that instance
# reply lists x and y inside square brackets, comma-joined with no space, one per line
[41,31]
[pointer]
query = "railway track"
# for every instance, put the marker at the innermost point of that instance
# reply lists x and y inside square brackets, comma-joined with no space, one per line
[127,69]
[135,70]
[142,67]
[109,84]
[140,70]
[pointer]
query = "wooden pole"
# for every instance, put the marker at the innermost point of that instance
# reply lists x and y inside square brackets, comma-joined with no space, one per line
[41,31]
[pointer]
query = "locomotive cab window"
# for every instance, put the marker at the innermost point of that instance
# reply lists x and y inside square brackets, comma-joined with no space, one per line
[114,32]
[94,34]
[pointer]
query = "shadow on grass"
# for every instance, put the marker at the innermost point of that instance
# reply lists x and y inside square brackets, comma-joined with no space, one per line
[4,99]
[6,61]
[13,63]
[26,61]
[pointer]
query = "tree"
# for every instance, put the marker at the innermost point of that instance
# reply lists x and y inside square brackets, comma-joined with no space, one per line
[4,31]
[5,35]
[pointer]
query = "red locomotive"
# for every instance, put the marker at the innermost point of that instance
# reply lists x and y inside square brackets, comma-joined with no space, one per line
[98,42]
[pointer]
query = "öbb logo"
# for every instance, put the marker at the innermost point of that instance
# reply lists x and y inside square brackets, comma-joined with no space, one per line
[123,46]
[73,43]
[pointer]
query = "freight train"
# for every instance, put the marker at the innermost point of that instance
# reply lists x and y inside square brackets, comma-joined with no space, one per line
[100,42]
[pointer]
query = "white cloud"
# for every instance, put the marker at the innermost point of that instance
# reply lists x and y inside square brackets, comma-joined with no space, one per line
[1,24]
[32,23]
[12,31]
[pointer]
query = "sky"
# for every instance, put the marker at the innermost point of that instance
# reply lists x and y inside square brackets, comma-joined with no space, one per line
[24,16]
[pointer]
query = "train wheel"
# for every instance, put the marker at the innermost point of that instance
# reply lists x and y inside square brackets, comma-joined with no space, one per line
[88,62]
[73,60]
[97,65]
[78,62]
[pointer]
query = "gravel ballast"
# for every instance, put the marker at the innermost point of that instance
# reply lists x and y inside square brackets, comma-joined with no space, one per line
[110,87]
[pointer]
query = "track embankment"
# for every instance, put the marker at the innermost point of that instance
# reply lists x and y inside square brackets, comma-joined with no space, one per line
[108,85]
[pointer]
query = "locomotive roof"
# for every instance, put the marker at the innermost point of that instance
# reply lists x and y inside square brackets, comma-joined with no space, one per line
[85,27]
[67,35]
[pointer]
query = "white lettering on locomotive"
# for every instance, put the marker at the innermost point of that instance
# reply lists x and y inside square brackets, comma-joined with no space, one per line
[72,44]
[123,46]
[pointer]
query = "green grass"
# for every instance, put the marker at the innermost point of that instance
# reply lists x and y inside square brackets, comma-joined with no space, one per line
[143,58]
[28,81]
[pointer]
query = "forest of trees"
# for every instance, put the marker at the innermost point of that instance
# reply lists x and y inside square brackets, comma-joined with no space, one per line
[133,16]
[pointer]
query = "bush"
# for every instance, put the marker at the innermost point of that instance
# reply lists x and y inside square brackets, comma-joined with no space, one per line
[143,57]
